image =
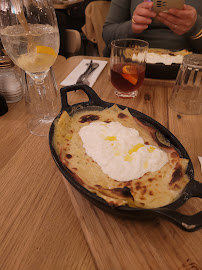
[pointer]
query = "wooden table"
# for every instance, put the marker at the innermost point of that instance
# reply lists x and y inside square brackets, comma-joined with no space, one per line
[42,226]
[66,4]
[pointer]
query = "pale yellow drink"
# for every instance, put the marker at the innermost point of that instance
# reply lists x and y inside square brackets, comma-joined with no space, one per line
[42,53]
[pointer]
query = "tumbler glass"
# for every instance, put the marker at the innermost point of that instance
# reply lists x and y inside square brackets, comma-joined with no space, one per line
[127,66]
[186,97]
[39,104]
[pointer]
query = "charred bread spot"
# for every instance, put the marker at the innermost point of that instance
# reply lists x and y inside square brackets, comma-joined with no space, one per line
[75,169]
[98,186]
[120,185]
[89,118]
[176,187]
[68,156]
[138,186]
[174,155]
[177,175]
[122,115]
[107,121]
[151,179]
[151,193]
[146,143]
[125,191]
[143,190]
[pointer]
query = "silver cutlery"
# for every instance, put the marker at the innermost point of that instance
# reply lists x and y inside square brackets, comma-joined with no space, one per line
[83,78]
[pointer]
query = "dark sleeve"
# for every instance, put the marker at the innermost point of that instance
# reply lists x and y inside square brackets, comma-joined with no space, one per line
[193,33]
[118,22]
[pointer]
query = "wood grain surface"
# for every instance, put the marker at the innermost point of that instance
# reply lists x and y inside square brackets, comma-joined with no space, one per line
[39,229]
[47,225]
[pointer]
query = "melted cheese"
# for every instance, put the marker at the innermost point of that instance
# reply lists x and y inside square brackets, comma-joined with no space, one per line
[120,151]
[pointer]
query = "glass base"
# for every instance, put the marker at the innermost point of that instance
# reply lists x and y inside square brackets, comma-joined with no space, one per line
[40,127]
[126,94]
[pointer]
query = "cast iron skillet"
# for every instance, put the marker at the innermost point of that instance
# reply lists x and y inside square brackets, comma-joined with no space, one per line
[193,188]
[162,72]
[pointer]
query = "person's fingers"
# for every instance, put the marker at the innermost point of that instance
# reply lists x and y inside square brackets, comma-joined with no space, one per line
[147,5]
[145,12]
[144,9]
[175,27]
[142,17]
[188,16]
[170,18]
[141,20]
[184,19]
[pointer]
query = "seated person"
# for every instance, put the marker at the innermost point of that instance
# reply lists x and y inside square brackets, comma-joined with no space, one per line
[174,30]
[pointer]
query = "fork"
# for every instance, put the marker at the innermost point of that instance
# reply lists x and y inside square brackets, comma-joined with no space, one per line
[83,78]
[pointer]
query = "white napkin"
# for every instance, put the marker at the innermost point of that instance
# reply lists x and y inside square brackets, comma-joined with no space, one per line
[200,160]
[73,76]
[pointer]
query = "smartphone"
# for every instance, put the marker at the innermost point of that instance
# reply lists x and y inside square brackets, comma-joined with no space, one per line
[164,5]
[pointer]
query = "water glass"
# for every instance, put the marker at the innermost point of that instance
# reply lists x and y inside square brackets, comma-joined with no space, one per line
[46,104]
[186,97]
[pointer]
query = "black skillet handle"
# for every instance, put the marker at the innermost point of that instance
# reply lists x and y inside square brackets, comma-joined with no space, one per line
[186,223]
[93,97]
[195,189]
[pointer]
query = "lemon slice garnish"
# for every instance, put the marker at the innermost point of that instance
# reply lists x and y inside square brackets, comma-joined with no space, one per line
[46,50]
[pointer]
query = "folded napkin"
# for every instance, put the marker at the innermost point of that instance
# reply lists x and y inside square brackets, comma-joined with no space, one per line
[200,160]
[73,76]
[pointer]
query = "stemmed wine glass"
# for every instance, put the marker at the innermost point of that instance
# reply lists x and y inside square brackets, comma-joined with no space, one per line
[30,36]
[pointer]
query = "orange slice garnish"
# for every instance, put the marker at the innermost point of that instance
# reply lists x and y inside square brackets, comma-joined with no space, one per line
[130,74]
[46,50]
[129,69]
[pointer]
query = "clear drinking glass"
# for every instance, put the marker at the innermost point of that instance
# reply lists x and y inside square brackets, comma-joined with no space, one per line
[33,99]
[127,65]
[30,36]
[186,97]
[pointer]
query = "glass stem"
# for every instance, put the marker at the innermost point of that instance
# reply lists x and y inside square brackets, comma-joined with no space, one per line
[42,91]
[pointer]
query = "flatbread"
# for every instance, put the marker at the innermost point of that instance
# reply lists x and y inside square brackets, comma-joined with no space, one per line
[172,53]
[164,56]
[154,189]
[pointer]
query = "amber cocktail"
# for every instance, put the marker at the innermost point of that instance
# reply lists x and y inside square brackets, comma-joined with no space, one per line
[127,64]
